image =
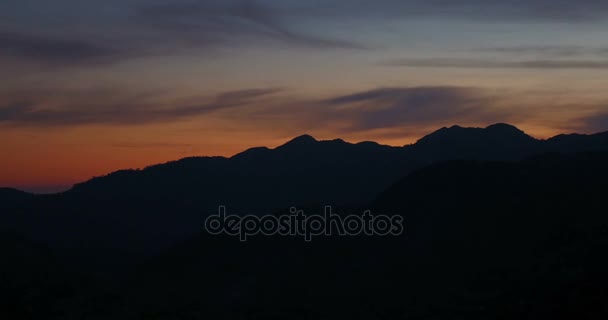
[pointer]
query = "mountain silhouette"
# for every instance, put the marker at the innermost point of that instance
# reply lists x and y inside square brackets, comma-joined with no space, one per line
[306,159]
[300,142]
[149,209]
[13,195]
[498,225]
[484,240]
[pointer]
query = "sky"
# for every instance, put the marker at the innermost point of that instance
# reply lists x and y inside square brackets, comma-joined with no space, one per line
[90,87]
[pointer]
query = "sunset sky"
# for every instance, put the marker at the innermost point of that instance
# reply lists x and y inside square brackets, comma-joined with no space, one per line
[89,87]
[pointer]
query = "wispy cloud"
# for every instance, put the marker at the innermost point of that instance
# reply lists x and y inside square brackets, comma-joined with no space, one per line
[548,50]
[139,29]
[159,29]
[596,122]
[403,111]
[151,145]
[54,50]
[216,23]
[391,110]
[401,107]
[498,64]
[119,109]
[480,10]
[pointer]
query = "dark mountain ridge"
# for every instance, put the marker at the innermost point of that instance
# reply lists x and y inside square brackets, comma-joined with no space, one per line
[498,225]
[495,142]
[483,240]
[156,206]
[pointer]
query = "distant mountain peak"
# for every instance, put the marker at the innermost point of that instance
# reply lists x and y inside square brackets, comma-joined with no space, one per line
[302,140]
[457,134]
[11,190]
[507,131]
[7,194]
[251,152]
[441,134]
[504,127]
[338,140]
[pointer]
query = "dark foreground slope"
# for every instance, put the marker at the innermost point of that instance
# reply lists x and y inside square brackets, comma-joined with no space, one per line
[483,240]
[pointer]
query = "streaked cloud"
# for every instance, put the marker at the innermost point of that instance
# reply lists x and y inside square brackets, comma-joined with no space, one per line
[397,110]
[401,107]
[406,111]
[597,122]
[55,50]
[394,109]
[119,109]
[140,29]
[497,64]
[548,50]
[151,145]
[214,23]
[481,10]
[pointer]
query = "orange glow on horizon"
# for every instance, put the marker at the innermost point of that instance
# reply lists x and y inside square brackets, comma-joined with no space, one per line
[57,160]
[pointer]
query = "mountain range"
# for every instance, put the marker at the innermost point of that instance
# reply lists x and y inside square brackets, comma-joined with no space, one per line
[498,225]
[148,209]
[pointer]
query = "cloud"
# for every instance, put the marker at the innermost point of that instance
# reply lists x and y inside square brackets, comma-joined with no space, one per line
[131,28]
[246,94]
[389,112]
[135,30]
[477,10]
[14,110]
[381,108]
[116,109]
[497,64]
[398,112]
[151,145]
[54,51]
[402,107]
[597,122]
[367,96]
[212,23]
[548,51]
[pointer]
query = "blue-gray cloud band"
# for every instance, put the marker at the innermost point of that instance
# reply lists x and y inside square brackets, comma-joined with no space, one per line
[36,112]
[498,64]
